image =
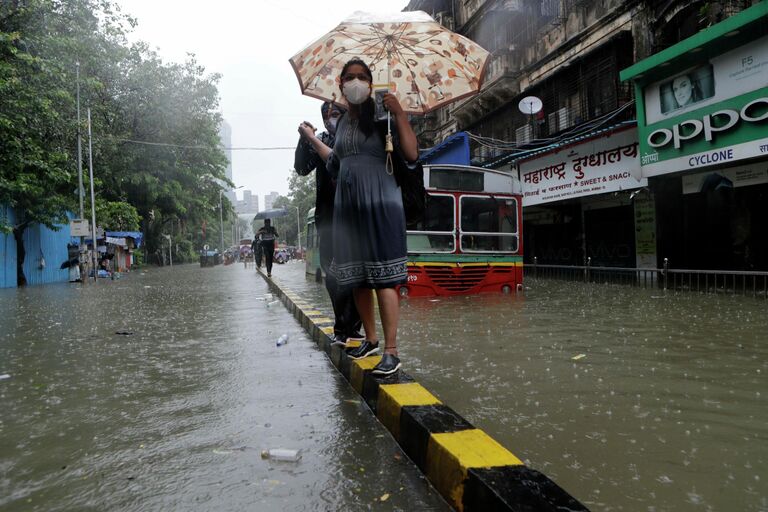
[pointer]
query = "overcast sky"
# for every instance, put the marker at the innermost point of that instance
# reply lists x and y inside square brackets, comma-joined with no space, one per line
[249,42]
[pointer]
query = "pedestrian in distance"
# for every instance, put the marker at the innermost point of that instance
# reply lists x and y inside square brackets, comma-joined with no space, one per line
[347,321]
[268,236]
[369,232]
[256,250]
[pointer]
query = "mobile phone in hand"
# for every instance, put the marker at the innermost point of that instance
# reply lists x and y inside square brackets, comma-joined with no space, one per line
[378,99]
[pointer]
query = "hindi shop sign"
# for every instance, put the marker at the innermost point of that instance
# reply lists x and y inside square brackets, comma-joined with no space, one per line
[604,164]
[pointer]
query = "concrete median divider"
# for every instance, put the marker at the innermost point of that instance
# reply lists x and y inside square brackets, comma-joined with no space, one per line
[471,470]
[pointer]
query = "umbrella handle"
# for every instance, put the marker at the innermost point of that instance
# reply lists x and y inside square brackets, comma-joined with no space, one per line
[389,147]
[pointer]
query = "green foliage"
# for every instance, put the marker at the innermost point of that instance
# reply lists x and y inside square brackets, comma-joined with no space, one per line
[117,215]
[133,96]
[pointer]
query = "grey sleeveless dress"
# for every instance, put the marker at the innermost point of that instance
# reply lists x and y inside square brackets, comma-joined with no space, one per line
[369,240]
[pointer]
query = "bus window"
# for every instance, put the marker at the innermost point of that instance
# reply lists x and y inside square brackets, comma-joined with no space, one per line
[488,224]
[435,231]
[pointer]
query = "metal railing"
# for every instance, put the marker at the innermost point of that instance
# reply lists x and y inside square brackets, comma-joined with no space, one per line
[729,282]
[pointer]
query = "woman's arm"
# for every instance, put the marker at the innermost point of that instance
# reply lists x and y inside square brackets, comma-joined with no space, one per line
[308,132]
[409,146]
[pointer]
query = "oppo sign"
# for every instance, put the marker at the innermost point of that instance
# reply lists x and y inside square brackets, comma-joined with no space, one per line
[664,136]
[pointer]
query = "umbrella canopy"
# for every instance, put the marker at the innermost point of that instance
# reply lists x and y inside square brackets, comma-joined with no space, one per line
[425,64]
[271,214]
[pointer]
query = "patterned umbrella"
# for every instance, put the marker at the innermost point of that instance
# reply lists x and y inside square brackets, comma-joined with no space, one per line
[424,64]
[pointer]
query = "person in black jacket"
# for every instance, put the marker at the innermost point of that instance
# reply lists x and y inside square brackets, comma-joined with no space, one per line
[347,322]
[267,236]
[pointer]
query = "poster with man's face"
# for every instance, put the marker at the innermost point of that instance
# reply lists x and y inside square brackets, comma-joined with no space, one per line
[691,87]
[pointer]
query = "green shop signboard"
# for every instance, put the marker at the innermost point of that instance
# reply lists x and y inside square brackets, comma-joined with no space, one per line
[704,101]
[725,132]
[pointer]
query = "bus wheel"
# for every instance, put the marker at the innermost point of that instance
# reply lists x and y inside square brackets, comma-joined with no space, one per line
[506,289]
[403,291]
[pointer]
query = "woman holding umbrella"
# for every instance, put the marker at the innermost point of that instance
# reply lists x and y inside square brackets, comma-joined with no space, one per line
[368,221]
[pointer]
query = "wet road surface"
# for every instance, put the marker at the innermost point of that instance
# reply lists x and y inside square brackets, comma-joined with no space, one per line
[174,415]
[630,399]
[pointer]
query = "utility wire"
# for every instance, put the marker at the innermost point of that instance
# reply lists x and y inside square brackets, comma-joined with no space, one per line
[574,132]
[488,142]
[182,146]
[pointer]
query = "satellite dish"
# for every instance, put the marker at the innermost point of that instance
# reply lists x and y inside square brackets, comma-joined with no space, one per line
[529,105]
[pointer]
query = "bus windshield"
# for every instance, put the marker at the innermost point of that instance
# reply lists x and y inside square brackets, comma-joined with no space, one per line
[488,224]
[436,231]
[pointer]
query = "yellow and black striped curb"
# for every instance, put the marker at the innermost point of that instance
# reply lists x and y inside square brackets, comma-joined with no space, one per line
[471,470]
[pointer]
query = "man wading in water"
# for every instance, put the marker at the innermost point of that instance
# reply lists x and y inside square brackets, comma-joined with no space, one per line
[268,235]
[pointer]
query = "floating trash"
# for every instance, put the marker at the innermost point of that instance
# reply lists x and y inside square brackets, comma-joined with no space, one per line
[281,454]
[579,356]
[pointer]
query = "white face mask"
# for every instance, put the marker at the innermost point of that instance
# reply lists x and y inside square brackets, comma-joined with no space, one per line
[356,91]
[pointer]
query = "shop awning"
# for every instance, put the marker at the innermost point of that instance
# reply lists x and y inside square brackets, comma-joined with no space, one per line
[453,150]
[531,153]
[136,235]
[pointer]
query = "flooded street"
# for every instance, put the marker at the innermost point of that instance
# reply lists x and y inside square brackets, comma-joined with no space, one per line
[630,399]
[173,413]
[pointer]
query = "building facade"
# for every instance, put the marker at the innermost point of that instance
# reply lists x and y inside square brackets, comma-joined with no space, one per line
[589,197]
[249,203]
[269,200]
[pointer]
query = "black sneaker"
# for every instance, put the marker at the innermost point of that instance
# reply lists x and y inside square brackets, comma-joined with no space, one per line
[388,365]
[365,349]
[339,340]
[356,336]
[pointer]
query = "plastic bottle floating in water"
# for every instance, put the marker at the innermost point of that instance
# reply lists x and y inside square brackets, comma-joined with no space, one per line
[282,340]
[273,303]
[282,454]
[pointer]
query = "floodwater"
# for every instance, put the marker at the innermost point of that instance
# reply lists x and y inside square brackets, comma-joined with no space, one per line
[173,413]
[630,399]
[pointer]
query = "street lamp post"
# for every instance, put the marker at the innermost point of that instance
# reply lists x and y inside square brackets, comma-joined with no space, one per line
[298,228]
[221,222]
[221,217]
[170,249]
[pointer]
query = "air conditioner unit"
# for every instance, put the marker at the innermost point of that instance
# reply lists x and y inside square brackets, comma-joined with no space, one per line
[559,120]
[444,19]
[552,126]
[523,134]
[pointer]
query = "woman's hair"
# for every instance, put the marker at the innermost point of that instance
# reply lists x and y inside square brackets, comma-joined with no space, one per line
[367,108]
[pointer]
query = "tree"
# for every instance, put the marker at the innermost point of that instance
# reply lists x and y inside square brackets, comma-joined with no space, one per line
[134,96]
[117,215]
[35,171]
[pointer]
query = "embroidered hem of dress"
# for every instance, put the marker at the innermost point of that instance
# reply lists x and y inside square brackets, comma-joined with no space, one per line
[371,273]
